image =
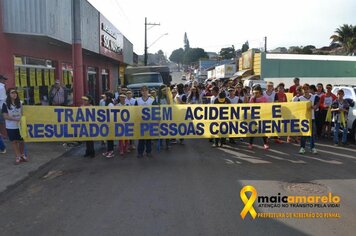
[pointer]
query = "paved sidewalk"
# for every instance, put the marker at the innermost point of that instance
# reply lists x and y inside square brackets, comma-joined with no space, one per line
[39,154]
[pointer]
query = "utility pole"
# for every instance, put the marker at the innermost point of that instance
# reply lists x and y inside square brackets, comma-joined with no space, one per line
[266,44]
[153,24]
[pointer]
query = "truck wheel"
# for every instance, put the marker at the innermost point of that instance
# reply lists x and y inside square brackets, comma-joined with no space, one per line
[353,133]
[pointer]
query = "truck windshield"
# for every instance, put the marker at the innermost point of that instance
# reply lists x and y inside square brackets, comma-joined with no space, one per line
[145,78]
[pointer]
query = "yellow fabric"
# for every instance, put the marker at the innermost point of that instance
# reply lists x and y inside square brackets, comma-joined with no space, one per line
[94,123]
[328,115]
[342,119]
[23,130]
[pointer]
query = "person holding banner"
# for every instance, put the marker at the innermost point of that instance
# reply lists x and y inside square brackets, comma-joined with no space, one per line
[123,144]
[162,99]
[314,104]
[89,151]
[215,93]
[110,143]
[340,109]
[272,96]
[129,98]
[258,98]
[131,101]
[12,112]
[221,100]
[326,100]
[143,144]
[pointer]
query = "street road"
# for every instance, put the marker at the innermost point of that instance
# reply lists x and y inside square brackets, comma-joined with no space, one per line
[192,189]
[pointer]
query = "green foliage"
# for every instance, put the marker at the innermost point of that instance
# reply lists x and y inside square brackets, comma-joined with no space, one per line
[345,35]
[194,55]
[227,53]
[308,49]
[245,47]
[177,56]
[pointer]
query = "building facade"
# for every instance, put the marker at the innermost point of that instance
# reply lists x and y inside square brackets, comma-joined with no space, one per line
[68,40]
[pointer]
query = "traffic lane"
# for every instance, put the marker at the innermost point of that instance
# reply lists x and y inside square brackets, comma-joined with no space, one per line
[195,190]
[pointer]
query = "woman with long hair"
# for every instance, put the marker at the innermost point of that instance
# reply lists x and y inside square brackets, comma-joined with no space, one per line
[12,111]
[194,96]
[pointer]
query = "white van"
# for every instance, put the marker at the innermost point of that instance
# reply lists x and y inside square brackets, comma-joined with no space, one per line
[251,82]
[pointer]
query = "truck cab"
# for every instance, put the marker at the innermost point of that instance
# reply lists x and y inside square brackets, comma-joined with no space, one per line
[151,76]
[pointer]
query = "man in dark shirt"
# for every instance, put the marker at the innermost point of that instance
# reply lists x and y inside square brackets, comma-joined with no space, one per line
[221,99]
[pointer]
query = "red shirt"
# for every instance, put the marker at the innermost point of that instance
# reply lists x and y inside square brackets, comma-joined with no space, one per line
[293,89]
[282,97]
[322,104]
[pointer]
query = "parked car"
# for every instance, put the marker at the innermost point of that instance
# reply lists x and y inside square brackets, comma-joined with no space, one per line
[350,96]
[184,77]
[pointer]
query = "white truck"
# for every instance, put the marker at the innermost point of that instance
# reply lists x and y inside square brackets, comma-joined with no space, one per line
[225,71]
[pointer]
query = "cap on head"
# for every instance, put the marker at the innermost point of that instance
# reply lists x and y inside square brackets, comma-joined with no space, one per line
[57,82]
[122,95]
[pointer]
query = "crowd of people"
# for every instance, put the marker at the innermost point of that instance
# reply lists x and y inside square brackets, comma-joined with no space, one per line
[326,108]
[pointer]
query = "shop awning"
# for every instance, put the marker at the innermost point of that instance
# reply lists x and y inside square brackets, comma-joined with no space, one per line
[252,77]
[243,73]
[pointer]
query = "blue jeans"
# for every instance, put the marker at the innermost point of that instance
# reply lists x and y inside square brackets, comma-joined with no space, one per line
[2,144]
[336,133]
[303,139]
[142,143]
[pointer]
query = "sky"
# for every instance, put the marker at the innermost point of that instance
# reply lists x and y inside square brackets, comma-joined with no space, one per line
[213,25]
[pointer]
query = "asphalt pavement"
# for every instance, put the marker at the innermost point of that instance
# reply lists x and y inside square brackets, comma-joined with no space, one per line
[192,189]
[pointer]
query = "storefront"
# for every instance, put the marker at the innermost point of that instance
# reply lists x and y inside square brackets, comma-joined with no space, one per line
[39,49]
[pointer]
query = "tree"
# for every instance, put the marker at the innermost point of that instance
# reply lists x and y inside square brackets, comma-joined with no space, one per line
[345,35]
[194,55]
[227,53]
[245,47]
[308,49]
[161,57]
[177,56]
[295,50]
[186,42]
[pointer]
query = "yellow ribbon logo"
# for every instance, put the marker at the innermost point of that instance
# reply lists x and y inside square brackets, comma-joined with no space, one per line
[248,201]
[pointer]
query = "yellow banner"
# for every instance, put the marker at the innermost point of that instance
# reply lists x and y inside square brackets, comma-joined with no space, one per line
[23,77]
[39,77]
[36,95]
[32,77]
[46,78]
[17,77]
[45,123]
